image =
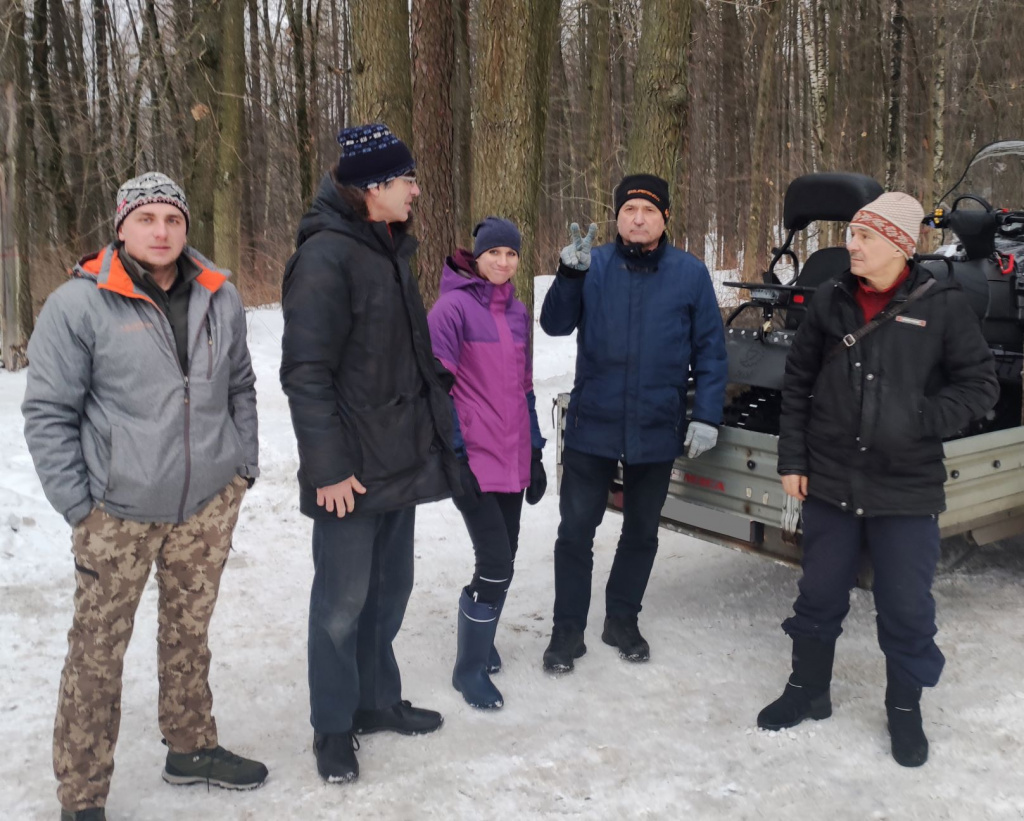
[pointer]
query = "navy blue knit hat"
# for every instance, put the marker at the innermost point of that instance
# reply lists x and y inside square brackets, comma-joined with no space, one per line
[371,155]
[495,232]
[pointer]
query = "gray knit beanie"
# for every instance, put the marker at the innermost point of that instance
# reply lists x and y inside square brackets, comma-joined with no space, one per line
[149,188]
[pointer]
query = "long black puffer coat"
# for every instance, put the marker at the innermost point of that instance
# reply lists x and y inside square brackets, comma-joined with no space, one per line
[867,427]
[367,397]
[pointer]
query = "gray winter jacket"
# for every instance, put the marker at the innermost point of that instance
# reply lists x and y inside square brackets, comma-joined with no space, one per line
[110,418]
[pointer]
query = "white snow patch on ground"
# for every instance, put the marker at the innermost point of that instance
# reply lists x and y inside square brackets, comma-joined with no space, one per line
[671,739]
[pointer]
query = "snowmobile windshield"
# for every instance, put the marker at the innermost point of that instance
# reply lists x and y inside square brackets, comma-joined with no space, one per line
[995,174]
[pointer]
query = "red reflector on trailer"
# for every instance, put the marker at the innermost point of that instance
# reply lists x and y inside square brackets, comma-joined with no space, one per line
[798,299]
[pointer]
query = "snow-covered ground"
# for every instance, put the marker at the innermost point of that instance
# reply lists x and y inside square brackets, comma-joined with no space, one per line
[671,739]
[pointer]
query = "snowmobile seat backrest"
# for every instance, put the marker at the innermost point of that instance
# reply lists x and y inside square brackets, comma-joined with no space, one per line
[820,267]
[831,196]
[823,265]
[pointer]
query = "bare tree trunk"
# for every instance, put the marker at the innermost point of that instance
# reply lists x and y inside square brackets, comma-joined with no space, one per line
[755,247]
[56,181]
[511,100]
[893,153]
[201,147]
[433,61]
[303,133]
[257,144]
[15,294]
[661,97]
[381,67]
[597,159]
[104,120]
[227,194]
[462,132]
[938,141]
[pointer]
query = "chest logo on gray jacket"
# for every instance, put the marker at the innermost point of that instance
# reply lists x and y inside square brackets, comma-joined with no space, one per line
[909,320]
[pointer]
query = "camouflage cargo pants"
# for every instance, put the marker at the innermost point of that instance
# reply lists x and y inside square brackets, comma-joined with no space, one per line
[113,558]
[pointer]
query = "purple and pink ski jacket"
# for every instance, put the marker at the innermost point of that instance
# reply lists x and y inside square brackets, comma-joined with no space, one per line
[481,333]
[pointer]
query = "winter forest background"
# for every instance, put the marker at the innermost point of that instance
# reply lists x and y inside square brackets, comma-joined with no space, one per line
[527,108]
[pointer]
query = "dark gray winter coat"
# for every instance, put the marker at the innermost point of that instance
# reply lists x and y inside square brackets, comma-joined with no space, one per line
[367,397]
[867,427]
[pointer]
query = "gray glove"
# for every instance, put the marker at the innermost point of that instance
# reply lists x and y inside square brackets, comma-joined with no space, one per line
[576,254]
[700,438]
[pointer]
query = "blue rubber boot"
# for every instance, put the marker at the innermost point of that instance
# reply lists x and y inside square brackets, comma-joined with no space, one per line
[477,623]
[493,659]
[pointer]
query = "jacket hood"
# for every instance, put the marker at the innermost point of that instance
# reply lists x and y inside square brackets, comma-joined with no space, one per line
[457,277]
[106,269]
[329,212]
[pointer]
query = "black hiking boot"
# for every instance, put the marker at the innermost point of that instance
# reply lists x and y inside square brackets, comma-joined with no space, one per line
[89,814]
[807,691]
[622,632]
[903,709]
[336,757]
[399,718]
[566,645]
[216,766]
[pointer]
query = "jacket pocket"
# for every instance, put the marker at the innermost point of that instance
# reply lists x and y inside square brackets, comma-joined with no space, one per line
[395,438]
[899,425]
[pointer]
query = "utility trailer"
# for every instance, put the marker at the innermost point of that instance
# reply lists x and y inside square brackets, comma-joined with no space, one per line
[732,495]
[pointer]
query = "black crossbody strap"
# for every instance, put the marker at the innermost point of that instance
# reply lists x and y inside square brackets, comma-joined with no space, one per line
[850,340]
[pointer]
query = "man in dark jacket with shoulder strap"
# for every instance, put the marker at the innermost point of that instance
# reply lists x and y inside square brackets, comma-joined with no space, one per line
[646,319]
[140,415]
[887,363]
[372,420]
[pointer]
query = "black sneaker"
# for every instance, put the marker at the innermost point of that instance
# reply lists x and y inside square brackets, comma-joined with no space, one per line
[622,632]
[400,718]
[566,645]
[90,814]
[336,757]
[216,766]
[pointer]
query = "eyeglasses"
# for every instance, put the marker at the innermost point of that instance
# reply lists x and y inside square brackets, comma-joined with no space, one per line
[409,178]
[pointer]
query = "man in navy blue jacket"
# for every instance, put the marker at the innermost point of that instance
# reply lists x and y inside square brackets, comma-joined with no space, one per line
[647,319]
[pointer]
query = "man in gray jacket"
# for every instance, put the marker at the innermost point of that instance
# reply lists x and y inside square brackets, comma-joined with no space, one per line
[140,415]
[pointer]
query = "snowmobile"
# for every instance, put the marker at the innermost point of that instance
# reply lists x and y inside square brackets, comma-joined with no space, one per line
[732,495]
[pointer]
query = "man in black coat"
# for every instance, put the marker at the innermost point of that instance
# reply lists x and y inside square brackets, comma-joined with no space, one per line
[372,420]
[888,362]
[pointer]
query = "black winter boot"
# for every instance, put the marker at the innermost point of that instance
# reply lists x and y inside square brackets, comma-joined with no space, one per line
[903,708]
[336,756]
[477,623]
[807,691]
[566,645]
[622,632]
[400,717]
[91,814]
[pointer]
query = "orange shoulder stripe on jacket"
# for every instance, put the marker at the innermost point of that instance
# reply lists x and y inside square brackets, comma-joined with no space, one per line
[118,280]
[210,280]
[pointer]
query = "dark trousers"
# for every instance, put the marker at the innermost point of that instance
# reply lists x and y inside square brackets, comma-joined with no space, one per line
[493,525]
[904,551]
[363,574]
[583,496]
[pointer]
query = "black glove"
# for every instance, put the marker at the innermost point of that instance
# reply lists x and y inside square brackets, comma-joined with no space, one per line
[538,479]
[469,497]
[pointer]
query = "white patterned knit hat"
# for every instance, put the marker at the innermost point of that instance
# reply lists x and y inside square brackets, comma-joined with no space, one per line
[149,188]
[896,218]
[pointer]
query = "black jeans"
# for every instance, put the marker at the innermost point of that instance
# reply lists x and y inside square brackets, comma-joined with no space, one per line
[583,497]
[363,575]
[493,526]
[904,551]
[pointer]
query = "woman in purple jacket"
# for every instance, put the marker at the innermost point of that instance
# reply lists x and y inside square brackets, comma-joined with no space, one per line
[481,333]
